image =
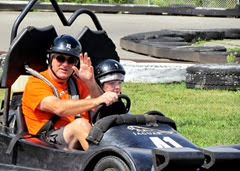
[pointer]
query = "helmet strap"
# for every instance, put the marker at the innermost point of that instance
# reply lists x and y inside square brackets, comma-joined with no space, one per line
[100,84]
[54,73]
[50,64]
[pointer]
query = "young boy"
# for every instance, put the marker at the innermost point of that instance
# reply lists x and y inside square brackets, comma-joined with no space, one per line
[109,75]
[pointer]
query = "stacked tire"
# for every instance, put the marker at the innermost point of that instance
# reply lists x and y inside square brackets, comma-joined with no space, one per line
[213,76]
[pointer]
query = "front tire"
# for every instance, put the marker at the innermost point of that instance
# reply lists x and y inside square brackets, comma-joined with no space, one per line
[111,163]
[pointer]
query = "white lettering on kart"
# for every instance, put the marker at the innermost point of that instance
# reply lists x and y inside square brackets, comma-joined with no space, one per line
[138,130]
[165,143]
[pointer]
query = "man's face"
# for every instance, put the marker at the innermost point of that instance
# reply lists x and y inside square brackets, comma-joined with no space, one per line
[113,86]
[62,65]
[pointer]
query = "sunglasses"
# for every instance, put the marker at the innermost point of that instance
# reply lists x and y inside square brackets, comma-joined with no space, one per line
[70,60]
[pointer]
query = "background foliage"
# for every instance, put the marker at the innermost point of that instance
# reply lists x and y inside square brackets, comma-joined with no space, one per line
[196,3]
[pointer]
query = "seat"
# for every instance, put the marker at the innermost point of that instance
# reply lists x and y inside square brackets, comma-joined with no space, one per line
[19,85]
[28,48]
[16,119]
[98,45]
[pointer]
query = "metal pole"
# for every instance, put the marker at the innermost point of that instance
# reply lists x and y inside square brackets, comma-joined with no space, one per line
[20,18]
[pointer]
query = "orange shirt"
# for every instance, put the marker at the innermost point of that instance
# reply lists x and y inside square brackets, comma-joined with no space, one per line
[35,90]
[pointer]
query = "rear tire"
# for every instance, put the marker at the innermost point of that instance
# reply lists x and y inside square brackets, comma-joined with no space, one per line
[111,163]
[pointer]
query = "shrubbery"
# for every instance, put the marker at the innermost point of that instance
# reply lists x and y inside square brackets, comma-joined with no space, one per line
[197,3]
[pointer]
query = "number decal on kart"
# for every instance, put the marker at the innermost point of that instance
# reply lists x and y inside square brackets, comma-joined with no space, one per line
[166,142]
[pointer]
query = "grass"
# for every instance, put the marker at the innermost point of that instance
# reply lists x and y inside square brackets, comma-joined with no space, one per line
[231,48]
[205,117]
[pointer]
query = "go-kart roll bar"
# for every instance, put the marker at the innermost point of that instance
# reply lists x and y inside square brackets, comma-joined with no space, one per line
[55,5]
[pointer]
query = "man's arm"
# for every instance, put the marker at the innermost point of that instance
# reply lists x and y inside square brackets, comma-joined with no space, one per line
[94,89]
[71,107]
[86,73]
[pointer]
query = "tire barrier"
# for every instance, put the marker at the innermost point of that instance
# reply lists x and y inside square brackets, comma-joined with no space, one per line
[177,45]
[213,76]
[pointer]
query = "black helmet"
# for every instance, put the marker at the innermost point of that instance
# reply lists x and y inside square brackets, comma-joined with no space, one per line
[66,44]
[107,67]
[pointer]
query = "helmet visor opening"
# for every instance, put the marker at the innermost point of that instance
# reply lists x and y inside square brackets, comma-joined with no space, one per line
[112,77]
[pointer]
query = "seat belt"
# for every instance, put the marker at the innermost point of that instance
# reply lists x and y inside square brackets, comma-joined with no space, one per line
[72,88]
[74,93]
[38,75]
[46,127]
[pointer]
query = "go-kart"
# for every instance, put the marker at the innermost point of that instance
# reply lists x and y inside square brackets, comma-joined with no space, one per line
[119,142]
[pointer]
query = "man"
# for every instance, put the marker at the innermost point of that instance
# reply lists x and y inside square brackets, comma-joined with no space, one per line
[40,104]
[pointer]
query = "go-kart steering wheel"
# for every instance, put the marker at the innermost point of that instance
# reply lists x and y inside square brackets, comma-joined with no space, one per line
[97,113]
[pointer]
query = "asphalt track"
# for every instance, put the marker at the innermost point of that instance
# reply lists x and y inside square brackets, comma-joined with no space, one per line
[116,26]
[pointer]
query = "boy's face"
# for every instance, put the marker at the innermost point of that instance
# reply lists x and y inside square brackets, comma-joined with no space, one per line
[113,86]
